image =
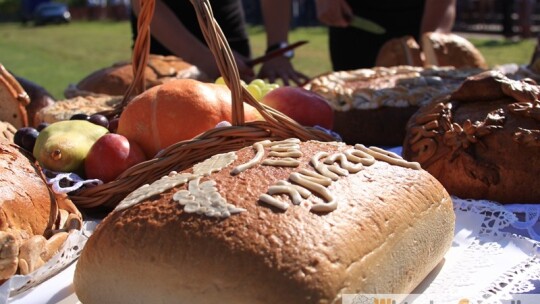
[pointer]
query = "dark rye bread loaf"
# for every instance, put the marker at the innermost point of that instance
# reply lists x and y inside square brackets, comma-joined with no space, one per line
[380,229]
[483,140]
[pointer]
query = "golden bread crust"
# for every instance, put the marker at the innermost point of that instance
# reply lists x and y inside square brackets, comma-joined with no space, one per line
[267,255]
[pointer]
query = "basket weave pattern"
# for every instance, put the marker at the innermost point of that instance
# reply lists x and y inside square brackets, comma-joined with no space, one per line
[184,154]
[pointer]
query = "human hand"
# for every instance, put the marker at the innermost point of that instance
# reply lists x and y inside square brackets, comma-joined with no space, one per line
[209,66]
[336,13]
[281,68]
[244,69]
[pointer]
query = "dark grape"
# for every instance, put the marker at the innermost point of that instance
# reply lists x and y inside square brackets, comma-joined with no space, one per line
[113,125]
[99,119]
[26,138]
[17,138]
[80,116]
[42,126]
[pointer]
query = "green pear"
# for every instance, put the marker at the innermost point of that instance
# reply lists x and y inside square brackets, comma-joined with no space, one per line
[62,146]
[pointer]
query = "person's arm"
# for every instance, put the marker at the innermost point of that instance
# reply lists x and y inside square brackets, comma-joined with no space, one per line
[277,18]
[172,34]
[439,16]
[336,13]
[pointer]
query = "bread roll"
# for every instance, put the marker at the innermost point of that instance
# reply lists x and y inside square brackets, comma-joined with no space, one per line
[28,209]
[483,140]
[381,229]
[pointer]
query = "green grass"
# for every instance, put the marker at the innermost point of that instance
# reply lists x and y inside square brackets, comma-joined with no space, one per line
[58,55]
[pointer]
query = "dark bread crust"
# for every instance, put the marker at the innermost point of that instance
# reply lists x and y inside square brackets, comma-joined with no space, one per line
[483,141]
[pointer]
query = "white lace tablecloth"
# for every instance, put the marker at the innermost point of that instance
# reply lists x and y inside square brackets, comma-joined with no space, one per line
[495,254]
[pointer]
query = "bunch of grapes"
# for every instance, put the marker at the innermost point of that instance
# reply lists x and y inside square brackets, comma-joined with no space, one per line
[257,87]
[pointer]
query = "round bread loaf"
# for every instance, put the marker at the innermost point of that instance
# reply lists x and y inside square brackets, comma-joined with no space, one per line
[115,80]
[225,231]
[483,140]
[449,49]
[34,222]
[372,106]
[400,51]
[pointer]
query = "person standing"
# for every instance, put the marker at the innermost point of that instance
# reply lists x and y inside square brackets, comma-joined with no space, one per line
[352,48]
[507,21]
[176,31]
[526,11]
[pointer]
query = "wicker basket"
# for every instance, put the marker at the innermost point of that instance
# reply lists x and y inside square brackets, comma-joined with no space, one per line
[184,154]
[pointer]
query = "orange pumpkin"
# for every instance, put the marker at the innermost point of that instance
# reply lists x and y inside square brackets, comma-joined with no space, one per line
[175,111]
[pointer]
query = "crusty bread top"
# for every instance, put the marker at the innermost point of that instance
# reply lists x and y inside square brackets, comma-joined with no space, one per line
[400,51]
[34,221]
[25,198]
[310,252]
[397,86]
[483,140]
[13,100]
[448,49]
[64,109]
[7,130]
[115,80]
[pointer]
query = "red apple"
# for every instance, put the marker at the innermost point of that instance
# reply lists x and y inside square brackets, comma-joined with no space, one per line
[306,107]
[111,155]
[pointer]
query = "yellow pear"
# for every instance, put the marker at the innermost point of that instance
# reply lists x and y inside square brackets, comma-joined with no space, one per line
[63,146]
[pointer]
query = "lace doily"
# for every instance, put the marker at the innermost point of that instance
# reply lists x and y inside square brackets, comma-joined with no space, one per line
[488,261]
[68,254]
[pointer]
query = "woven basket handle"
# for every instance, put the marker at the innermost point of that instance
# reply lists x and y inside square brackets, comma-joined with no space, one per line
[217,42]
[141,51]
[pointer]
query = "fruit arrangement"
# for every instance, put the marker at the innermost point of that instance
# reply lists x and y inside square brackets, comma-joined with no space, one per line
[84,145]
[96,147]
[306,107]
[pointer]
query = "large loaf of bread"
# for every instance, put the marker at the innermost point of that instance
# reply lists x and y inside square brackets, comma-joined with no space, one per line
[227,232]
[483,140]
